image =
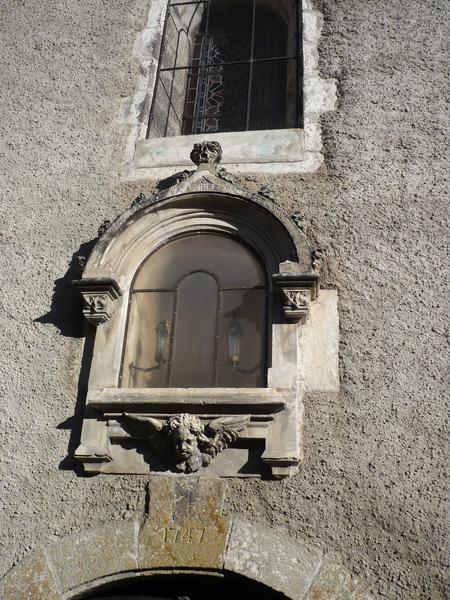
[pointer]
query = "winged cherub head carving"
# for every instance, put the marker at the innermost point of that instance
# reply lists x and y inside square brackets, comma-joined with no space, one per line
[184,441]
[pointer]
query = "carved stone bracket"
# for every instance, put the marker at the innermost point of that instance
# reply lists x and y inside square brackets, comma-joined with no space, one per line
[184,441]
[99,295]
[296,303]
[298,290]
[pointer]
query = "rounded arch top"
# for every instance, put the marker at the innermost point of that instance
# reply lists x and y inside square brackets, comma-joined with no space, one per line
[205,199]
[183,209]
[262,558]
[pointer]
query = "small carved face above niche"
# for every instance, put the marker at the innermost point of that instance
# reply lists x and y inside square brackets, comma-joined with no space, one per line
[197,312]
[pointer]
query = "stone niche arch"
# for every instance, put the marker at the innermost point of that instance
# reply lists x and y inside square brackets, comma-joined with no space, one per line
[118,421]
[185,538]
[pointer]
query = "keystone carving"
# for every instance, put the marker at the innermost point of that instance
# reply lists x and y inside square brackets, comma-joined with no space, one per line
[207,153]
[184,441]
[99,296]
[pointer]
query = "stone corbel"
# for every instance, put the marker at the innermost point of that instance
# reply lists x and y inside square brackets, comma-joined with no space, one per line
[298,291]
[99,295]
[94,450]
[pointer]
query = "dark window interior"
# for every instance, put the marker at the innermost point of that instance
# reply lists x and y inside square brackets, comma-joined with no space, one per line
[186,587]
[227,65]
[197,317]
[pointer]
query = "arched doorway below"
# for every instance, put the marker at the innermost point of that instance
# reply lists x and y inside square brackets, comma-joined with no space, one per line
[184,586]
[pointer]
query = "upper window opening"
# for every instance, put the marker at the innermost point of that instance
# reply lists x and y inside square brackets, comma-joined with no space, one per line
[197,317]
[227,65]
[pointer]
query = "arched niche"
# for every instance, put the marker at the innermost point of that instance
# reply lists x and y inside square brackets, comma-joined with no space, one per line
[120,421]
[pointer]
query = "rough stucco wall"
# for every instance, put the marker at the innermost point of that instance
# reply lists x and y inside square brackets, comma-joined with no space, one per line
[371,486]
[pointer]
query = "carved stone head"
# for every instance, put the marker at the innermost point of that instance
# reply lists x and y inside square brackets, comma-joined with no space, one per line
[207,153]
[186,432]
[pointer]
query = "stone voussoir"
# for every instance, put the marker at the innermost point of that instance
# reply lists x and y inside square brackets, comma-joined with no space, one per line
[333,582]
[94,553]
[272,558]
[31,579]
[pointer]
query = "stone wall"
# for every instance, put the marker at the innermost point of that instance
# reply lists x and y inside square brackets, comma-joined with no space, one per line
[371,485]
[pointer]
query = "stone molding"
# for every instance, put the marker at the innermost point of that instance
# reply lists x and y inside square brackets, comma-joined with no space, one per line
[275,151]
[184,530]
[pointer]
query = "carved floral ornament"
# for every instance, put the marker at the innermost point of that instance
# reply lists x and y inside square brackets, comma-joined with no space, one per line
[189,430]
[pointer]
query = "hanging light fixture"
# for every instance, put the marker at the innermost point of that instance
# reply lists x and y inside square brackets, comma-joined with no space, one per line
[162,342]
[234,342]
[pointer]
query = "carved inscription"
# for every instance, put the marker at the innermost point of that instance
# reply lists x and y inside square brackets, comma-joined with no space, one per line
[183,535]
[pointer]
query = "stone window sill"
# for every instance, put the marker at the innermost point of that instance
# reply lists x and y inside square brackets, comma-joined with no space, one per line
[278,150]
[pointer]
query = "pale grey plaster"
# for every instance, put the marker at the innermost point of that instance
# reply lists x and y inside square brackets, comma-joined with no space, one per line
[371,485]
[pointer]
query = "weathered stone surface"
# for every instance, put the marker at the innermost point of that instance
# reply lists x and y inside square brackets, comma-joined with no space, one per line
[184,527]
[285,564]
[319,345]
[336,583]
[31,579]
[94,553]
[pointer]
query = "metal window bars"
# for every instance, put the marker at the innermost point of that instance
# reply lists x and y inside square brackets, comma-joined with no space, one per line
[228,65]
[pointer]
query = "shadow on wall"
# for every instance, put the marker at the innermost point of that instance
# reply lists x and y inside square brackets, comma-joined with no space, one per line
[65,310]
[66,315]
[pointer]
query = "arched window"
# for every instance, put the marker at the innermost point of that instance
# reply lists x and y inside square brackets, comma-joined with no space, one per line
[197,363]
[227,65]
[197,317]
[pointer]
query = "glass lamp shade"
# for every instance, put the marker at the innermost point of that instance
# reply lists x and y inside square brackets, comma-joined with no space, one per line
[234,342]
[162,342]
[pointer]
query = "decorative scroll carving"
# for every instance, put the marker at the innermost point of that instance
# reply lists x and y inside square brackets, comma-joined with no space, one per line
[139,200]
[225,175]
[80,263]
[300,221]
[184,441]
[99,295]
[209,153]
[296,304]
[267,193]
[298,290]
[184,175]
[317,260]
[106,224]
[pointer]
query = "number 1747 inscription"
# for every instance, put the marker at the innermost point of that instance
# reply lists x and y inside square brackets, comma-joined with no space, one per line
[183,535]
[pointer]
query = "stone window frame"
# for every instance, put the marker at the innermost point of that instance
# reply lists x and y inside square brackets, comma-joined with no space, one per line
[303,336]
[272,151]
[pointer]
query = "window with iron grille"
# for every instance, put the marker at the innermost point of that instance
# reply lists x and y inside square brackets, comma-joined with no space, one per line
[228,65]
